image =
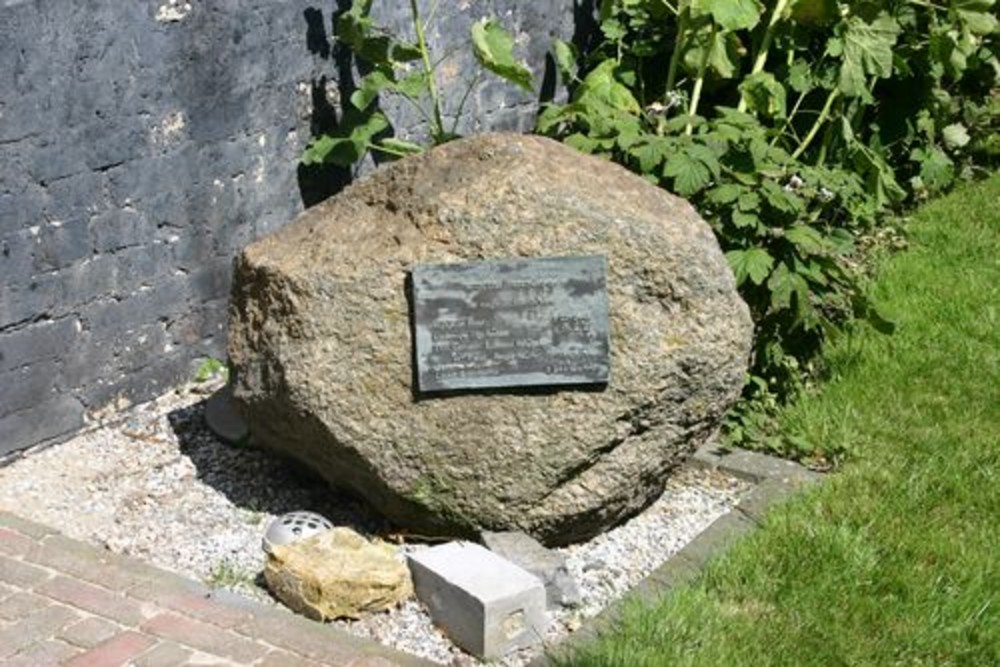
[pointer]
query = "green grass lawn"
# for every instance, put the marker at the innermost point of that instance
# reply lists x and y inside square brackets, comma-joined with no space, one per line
[895,560]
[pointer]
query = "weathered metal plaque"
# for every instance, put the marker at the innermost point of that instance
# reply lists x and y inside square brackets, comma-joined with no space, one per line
[511,323]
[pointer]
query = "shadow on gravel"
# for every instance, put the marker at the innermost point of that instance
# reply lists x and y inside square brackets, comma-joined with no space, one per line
[259,481]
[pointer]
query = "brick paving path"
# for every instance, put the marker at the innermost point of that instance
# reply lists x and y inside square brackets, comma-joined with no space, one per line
[63,602]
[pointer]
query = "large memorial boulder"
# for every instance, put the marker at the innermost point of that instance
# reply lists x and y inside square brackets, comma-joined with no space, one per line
[320,338]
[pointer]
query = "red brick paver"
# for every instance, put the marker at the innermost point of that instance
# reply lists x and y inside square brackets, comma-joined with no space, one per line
[116,651]
[63,602]
[89,632]
[94,599]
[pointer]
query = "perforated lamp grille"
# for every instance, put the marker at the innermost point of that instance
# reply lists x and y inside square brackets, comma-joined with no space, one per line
[294,526]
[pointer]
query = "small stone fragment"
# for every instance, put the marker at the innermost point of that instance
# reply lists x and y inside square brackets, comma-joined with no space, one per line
[487,605]
[224,419]
[548,565]
[337,574]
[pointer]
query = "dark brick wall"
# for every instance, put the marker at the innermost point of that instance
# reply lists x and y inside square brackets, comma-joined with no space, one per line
[141,145]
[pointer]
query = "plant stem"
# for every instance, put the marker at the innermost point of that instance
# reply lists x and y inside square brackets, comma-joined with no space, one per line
[699,82]
[437,127]
[823,115]
[929,5]
[388,151]
[461,104]
[673,10]
[675,57]
[788,121]
[824,147]
[431,13]
[765,45]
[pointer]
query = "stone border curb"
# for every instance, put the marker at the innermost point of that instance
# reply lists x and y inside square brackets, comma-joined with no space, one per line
[63,591]
[158,613]
[773,481]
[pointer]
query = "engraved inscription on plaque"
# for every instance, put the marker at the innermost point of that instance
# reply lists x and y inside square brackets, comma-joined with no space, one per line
[511,323]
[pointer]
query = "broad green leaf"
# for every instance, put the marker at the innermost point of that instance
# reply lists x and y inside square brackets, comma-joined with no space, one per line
[744,220]
[726,193]
[946,54]
[679,122]
[781,199]
[764,94]
[565,55]
[414,85]
[554,116]
[689,173]
[841,241]
[585,144]
[723,52]
[835,47]
[400,146]
[880,179]
[867,50]
[784,283]
[955,135]
[652,152]
[808,240]
[369,89]
[348,145]
[937,171]
[814,13]
[810,270]
[977,15]
[613,30]
[749,201]
[602,86]
[494,50]
[707,158]
[354,25]
[318,149]
[800,77]
[846,131]
[730,14]
[356,29]
[403,52]
[753,263]
[740,119]
[628,136]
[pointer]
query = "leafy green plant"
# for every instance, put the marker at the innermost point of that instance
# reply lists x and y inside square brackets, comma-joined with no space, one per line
[404,68]
[225,574]
[211,368]
[793,126]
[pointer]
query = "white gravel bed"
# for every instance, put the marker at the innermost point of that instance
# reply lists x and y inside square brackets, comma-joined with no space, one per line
[154,483]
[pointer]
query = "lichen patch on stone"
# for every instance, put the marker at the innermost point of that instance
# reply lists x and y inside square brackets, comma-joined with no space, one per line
[173,11]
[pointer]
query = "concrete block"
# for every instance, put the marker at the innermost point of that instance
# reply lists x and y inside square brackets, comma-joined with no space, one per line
[487,605]
[548,565]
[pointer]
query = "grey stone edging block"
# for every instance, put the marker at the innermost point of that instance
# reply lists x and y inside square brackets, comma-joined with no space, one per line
[25,527]
[136,583]
[756,467]
[486,604]
[773,481]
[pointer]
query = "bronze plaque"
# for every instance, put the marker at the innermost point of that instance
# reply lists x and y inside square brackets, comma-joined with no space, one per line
[511,323]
